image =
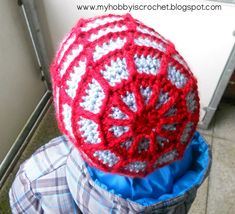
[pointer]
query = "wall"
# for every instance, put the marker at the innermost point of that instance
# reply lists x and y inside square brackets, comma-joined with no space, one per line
[20,84]
[204,38]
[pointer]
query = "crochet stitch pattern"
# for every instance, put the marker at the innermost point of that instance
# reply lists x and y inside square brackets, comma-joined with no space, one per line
[123,95]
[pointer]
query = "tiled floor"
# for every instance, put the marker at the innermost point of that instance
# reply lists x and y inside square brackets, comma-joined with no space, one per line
[215,196]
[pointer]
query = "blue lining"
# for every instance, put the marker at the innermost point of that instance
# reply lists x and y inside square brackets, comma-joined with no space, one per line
[165,183]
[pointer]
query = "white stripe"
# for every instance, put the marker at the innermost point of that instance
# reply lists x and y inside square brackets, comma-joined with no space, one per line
[108,47]
[149,43]
[89,130]
[169,156]
[75,78]
[98,22]
[118,114]
[129,100]
[150,32]
[106,156]
[70,58]
[148,64]
[119,130]
[92,101]
[176,77]
[66,47]
[105,31]
[67,112]
[116,71]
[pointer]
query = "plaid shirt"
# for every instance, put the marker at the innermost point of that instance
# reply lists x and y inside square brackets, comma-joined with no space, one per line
[55,180]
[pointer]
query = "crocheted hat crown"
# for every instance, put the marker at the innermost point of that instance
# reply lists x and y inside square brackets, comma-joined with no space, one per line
[123,95]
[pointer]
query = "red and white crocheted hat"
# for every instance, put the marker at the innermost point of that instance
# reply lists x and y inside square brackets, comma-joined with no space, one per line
[123,95]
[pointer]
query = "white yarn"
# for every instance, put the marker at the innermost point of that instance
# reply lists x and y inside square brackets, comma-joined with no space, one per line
[169,127]
[106,31]
[119,130]
[75,78]
[129,100]
[67,113]
[161,140]
[118,114]
[162,99]
[169,156]
[176,77]
[116,71]
[89,130]
[92,101]
[148,65]
[191,101]
[150,32]
[146,93]
[187,130]
[107,157]
[107,47]
[75,52]
[143,145]
[127,143]
[98,22]
[172,111]
[136,166]
[149,43]
[66,47]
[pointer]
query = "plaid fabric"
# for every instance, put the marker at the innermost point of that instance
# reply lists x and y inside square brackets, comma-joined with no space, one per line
[40,185]
[55,180]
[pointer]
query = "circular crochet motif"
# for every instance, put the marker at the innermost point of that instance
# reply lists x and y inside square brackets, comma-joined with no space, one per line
[123,95]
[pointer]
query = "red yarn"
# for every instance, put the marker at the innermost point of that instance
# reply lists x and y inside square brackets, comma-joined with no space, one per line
[159,132]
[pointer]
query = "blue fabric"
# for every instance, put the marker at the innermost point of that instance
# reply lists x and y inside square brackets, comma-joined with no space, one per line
[165,183]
